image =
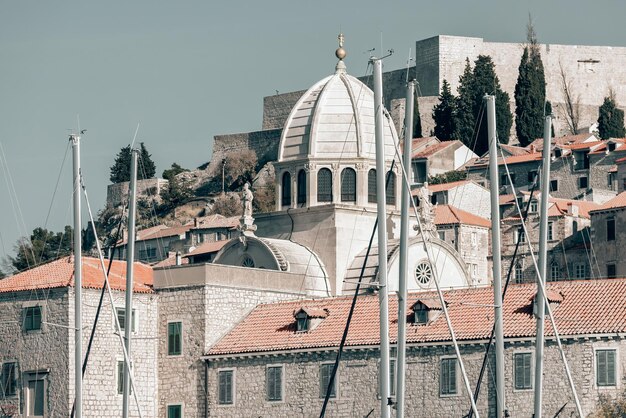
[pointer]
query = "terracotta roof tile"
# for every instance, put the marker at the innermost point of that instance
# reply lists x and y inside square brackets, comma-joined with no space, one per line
[514,150]
[587,307]
[563,140]
[432,149]
[60,273]
[515,159]
[447,214]
[208,247]
[443,186]
[617,202]
[312,312]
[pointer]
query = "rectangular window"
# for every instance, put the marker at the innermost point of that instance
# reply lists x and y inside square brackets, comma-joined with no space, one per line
[325,371]
[120,377]
[504,179]
[582,182]
[533,206]
[35,388]
[532,176]
[550,231]
[274,383]
[32,318]
[610,229]
[8,380]
[442,235]
[580,271]
[225,387]
[151,252]
[474,238]
[121,317]
[174,411]
[554,185]
[611,181]
[523,363]
[611,271]
[520,236]
[605,367]
[174,338]
[447,379]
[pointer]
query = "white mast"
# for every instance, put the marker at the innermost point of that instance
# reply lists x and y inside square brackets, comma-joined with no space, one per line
[404,244]
[130,259]
[382,238]
[78,281]
[543,250]
[495,245]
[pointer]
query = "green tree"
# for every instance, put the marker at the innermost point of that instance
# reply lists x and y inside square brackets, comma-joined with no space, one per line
[228,204]
[444,114]
[530,92]
[447,177]
[470,106]
[175,194]
[173,171]
[239,168]
[120,171]
[611,120]
[41,246]
[417,120]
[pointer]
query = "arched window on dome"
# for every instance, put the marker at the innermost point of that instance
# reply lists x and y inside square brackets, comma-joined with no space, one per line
[286,189]
[371,186]
[348,185]
[324,185]
[390,188]
[301,187]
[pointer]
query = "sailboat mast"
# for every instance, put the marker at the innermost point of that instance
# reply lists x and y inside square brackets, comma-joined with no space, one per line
[496,253]
[130,259]
[382,238]
[404,245]
[543,255]
[78,281]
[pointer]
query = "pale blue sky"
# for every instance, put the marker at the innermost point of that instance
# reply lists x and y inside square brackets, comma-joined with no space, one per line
[188,70]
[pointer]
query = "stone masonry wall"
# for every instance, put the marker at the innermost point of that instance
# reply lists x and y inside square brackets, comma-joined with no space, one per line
[605,251]
[358,382]
[117,194]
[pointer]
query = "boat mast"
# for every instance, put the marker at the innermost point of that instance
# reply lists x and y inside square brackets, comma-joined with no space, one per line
[496,253]
[404,245]
[543,255]
[78,281]
[382,238]
[130,259]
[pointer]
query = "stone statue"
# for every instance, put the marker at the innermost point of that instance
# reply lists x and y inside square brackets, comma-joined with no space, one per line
[425,211]
[247,198]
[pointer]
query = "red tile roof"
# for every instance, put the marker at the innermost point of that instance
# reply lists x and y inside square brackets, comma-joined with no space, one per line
[432,149]
[446,214]
[443,186]
[515,159]
[563,140]
[217,221]
[617,202]
[620,160]
[514,150]
[595,307]
[60,273]
[208,247]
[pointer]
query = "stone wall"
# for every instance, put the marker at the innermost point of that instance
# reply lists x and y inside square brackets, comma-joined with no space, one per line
[358,382]
[605,251]
[117,194]
[263,143]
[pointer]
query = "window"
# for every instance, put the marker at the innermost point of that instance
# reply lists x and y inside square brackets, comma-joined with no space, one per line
[557,152]
[390,188]
[324,185]
[325,372]
[550,231]
[610,271]
[286,190]
[121,317]
[532,176]
[555,271]
[151,252]
[247,261]
[274,383]
[579,270]
[474,238]
[610,229]
[582,182]
[225,387]
[519,235]
[371,186]
[533,206]
[348,185]
[610,180]
[392,377]
[554,185]
[523,363]
[120,377]
[301,187]
[174,338]
[8,380]
[174,411]
[447,379]
[519,273]
[32,318]
[442,235]
[35,388]
[433,199]
[302,322]
[423,273]
[420,312]
[611,146]
[605,367]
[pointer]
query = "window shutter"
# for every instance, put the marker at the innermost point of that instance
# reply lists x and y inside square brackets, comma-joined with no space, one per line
[610,367]
[601,368]
[519,370]
[527,371]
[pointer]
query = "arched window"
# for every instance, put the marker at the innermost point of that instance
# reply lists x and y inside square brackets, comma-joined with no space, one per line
[348,185]
[286,193]
[324,185]
[390,188]
[371,186]
[519,273]
[555,271]
[301,187]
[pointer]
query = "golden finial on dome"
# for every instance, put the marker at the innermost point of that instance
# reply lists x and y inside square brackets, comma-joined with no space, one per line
[340,52]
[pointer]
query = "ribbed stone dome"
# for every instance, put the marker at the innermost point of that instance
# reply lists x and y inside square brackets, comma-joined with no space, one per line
[334,120]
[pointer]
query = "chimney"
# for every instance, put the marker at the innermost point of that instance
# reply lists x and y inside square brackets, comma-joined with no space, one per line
[179,259]
[572,209]
[532,148]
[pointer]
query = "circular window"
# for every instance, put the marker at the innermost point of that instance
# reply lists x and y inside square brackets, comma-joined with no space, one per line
[247,262]
[423,273]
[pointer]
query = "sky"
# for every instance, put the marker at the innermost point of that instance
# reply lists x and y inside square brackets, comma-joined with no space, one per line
[182,72]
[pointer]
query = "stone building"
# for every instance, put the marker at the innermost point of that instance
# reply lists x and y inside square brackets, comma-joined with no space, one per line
[609,237]
[277,361]
[438,158]
[466,194]
[37,341]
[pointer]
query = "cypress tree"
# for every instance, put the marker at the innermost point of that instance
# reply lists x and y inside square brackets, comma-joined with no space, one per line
[120,171]
[417,120]
[444,114]
[464,120]
[611,120]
